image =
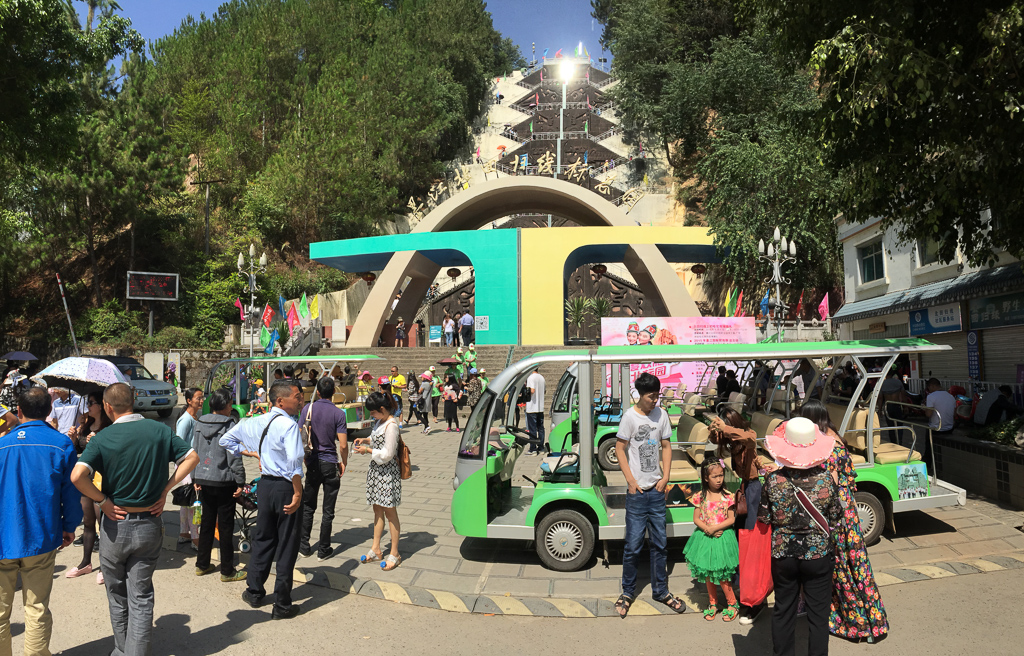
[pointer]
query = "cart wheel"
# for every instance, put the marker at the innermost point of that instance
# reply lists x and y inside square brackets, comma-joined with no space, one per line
[245,546]
[606,455]
[871,514]
[565,540]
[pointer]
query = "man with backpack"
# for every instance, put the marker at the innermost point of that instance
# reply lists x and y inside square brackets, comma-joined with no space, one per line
[219,478]
[323,427]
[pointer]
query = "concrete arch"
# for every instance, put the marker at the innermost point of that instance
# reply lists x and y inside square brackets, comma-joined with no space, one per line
[482,203]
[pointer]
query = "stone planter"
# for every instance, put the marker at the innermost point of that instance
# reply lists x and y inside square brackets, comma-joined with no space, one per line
[986,468]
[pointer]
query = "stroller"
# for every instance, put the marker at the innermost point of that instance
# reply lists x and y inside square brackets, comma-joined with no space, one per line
[245,515]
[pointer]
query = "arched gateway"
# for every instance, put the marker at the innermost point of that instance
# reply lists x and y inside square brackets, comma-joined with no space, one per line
[520,278]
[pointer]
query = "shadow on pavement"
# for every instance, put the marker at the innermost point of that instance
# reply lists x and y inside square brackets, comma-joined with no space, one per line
[918,523]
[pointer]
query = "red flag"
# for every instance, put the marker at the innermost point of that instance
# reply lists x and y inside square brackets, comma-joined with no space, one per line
[241,310]
[800,304]
[536,98]
[739,305]
[293,319]
[268,316]
[823,308]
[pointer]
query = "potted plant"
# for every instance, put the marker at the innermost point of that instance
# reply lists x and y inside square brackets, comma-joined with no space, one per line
[576,310]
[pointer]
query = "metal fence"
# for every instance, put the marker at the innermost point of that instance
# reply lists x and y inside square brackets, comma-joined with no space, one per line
[979,387]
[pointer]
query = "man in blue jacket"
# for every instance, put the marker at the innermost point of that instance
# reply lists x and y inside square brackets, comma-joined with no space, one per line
[40,509]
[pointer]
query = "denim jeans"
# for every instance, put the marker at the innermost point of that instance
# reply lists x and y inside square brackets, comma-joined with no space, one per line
[645,511]
[319,474]
[129,549]
[447,339]
[535,427]
[753,494]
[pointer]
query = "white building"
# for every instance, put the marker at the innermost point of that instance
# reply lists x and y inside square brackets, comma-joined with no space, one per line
[898,289]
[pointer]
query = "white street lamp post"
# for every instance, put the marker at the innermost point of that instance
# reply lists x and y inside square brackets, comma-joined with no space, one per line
[565,73]
[249,274]
[778,252]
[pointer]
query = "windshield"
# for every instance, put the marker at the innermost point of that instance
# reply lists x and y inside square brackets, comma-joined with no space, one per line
[470,445]
[136,372]
[565,385]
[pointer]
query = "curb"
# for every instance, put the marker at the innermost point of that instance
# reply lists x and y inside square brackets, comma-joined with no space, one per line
[586,607]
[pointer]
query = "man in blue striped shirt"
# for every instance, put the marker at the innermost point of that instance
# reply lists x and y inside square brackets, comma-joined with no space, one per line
[41,509]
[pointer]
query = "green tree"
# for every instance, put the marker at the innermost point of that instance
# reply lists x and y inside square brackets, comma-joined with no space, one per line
[922,110]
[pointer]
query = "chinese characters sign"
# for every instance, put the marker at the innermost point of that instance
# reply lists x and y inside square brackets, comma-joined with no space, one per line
[996,311]
[939,319]
[619,331]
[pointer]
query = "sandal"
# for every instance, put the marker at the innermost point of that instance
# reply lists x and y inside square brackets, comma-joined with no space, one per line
[729,614]
[674,603]
[711,612]
[622,605]
[370,557]
[390,562]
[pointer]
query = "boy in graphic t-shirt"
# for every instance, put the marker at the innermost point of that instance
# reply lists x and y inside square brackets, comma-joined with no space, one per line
[644,444]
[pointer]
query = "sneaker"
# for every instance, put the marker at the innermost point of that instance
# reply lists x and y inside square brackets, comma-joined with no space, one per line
[305,553]
[239,575]
[251,599]
[751,614]
[203,571]
[284,613]
[324,554]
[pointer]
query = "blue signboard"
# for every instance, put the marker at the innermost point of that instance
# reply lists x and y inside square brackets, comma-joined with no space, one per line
[973,355]
[436,332]
[939,319]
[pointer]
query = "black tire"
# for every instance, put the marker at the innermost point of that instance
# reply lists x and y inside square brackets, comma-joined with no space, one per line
[565,540]
[871,514]
[606,456]
[164,413]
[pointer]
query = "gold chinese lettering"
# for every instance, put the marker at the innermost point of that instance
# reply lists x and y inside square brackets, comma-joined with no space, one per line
[546,164]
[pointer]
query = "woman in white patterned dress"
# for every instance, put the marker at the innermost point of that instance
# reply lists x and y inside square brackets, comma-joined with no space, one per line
[383,477]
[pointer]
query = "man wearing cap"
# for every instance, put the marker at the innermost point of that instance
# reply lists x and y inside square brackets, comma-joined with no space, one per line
[800,502]
[435,391]
[398,383]
[460,366]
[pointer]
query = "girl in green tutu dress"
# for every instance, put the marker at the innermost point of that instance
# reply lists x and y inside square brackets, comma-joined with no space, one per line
[712,552]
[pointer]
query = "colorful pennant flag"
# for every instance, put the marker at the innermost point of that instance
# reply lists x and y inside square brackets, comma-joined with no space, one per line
[268,315]
[542,72]
[586,126]
[585,154]
[739,301]
[536,98]
[544,55]
[293,319]
[531,127]
[586,54]
[799,305]
[729,307]
[264,336]
[314,307]
[764,303]
[558,53]
[274,337]
[241,310]
[526,160]
[280,305]
[823,308]
[303,307]
[589,106]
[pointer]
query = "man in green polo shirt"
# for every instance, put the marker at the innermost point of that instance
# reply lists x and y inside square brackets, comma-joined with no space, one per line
[132,455]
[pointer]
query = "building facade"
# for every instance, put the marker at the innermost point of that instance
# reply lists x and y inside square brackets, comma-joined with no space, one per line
[896,289]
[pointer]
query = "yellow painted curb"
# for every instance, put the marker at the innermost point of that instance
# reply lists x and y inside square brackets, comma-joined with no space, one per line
[510,605]
[570,608]
[1019,557]
[985,565]
[930,571]
[881,578]
[394,592]
[641,607]
[449,601]
[339,581]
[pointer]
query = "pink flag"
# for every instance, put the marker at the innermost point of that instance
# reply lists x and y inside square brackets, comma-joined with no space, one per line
[558,53]
[823,307]
[478,152]
[542,75]
[241,310]
[293,319]
[739,305]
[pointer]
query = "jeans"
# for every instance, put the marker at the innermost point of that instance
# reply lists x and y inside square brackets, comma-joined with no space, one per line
[447,339]
[319,474]
[753,494]
[535,427]
[129,549]
[645,511]
[218,511]
[36,583]
[815,576]
[277,535]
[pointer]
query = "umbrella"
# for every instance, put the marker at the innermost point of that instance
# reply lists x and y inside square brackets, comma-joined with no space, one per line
[20,356]
[81,375]
[448,361]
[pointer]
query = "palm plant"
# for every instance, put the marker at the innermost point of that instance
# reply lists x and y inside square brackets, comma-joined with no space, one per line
[601,307]
[576,310]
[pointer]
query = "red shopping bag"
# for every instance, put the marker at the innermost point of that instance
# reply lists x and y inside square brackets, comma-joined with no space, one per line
[755,564]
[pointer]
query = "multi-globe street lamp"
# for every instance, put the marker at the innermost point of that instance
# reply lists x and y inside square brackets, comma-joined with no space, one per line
[248,273]
[779,251]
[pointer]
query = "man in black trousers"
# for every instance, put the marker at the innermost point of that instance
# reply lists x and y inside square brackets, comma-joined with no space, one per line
[274,439]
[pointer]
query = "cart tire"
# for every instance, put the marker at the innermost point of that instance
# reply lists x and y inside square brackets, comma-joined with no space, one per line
[245,546]
[606,455]
[164,413]
[565,540]
[871,514]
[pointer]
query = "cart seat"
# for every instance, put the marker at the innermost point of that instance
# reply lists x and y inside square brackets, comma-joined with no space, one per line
[764,424]
[567,464]
[888,454]
[856,432]
[682,468]
[857,458]
[736,401]
[691,403]
[691,429]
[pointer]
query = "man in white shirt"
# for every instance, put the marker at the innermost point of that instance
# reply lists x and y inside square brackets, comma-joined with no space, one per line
[535,412]
[941,407]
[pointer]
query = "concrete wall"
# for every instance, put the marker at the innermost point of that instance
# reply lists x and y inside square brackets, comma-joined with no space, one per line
[991,470]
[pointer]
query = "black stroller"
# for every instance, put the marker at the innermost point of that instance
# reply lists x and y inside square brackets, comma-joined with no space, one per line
[245,515]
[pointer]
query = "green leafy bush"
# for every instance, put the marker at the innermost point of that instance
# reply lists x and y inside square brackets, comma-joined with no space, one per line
[108,322]
[173,337]
[1003,433]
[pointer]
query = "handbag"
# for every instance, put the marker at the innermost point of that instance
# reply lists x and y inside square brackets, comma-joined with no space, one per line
[755,564]
[184,496]
[404,460]
[741,500]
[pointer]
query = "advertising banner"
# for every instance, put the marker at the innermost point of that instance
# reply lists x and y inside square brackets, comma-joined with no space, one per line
[436,333]
[641,331]
[996,311]
[938,319]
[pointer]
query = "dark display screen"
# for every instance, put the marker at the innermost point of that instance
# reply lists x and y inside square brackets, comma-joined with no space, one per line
[153,286]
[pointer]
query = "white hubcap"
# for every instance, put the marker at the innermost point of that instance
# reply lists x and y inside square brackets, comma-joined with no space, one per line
[564,541]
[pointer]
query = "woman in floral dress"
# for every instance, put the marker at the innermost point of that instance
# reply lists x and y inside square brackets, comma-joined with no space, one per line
[857,609]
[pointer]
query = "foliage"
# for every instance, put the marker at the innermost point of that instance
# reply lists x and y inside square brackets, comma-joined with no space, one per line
[1002,433]
[108,322]
[174,337]
[600,307]
[922,109]
[577,308]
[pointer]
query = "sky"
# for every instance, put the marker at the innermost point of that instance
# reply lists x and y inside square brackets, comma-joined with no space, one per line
[551,24]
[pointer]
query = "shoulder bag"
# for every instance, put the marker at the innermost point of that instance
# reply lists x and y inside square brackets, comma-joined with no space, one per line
[309,445]
[404,457]
[816,517]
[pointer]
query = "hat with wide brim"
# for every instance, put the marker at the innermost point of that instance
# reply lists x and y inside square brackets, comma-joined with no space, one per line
[426,375]
[799,444]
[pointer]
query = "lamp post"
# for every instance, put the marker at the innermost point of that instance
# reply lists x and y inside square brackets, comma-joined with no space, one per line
[249,274]
[565,73]
[779,251]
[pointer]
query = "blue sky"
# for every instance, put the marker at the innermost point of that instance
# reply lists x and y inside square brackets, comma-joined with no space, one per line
[551,24]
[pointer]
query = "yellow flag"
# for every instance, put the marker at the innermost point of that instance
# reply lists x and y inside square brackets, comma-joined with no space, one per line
[314,307]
